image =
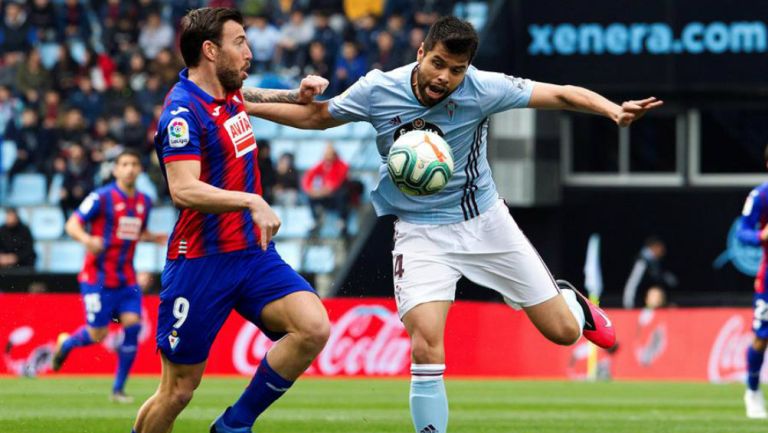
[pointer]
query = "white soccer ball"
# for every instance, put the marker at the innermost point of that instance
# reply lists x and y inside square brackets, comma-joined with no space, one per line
[420,163]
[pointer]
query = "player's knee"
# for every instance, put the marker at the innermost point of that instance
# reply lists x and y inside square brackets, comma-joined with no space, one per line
[315,335]
[425,352]
[760,344]
[98,334]
[180,397]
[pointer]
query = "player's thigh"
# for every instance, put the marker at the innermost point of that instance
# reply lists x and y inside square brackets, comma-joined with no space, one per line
[505,260]
[180,377]
[425,322]
[99,304]
[269,282]
[197,296]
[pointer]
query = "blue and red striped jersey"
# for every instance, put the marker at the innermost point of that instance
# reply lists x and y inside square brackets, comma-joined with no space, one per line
[119,219]
[754,217]
[217,132]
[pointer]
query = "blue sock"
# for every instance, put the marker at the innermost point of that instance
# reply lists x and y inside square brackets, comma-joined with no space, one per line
[754,365]
[265,387]
[126,353]
[429,403]
[79,338]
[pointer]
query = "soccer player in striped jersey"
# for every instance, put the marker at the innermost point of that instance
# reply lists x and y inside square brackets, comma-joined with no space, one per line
[465,229]
[220,254]
[753,230]
[117,214]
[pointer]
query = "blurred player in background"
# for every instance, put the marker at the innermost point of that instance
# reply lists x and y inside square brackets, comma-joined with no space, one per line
[220,254]
[465,229]
[754,231]
[117,214]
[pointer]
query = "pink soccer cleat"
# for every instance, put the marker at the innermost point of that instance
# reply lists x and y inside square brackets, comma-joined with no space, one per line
[597,326]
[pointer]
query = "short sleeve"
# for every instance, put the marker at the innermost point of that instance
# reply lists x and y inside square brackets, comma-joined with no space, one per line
[354,104]
[500,92]
[89,208]
[178,134]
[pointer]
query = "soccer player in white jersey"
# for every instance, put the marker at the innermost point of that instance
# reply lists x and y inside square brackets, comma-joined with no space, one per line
[465,229]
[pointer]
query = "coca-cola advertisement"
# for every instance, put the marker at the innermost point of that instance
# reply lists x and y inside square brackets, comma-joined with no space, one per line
[368,339]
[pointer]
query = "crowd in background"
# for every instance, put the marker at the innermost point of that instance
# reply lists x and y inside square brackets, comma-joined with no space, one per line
[82,80]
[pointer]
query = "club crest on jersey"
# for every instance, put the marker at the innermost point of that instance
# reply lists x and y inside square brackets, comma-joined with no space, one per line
[451,107]
[240,132]
[173,339]
[418,125]
[178,132]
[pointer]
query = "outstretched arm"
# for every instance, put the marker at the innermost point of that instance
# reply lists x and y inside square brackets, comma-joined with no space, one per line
[314,115]
[574,98]
[310,87]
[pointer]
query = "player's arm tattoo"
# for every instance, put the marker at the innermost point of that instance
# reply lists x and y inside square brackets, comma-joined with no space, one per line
[255,94]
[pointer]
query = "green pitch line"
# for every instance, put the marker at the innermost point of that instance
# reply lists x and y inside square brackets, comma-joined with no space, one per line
[80,405]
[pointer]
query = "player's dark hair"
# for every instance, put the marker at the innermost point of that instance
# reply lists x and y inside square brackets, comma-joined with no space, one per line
[458,36]
[129,152]
[200,25]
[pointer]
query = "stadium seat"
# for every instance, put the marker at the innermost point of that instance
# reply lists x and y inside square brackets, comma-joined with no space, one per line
[264,129]
[27,189]
[8,155]
[330,228]
[319,259]
[162,219]
[46,223]
[146,258]
[288,132]
[65,257]
[145,185]
[279,147]
[54,196]
[290,251]
[297,221]
[309,153]
[40,251]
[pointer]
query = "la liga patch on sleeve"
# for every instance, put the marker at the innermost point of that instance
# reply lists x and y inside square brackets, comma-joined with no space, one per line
[178,132]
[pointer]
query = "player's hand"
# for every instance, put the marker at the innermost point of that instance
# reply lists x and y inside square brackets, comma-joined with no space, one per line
[94,244]
[267,221]
[634,110]
[311,86]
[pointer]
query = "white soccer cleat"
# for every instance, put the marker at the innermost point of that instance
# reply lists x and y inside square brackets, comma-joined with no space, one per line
[755,403]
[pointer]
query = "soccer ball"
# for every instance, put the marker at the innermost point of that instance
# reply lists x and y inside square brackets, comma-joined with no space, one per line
[420,163]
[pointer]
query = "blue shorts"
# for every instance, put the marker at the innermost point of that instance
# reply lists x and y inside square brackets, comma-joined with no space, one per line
[760,318]
[103,304]
[198,294]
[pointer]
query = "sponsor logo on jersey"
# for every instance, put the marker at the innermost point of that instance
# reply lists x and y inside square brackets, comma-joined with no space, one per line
[395,121]
[128,228]
[179,110]
[178,132]
[418,125]
[240,132]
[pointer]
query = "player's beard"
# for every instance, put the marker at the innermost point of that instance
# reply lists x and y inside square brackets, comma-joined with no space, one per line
[228,76]
[422,83]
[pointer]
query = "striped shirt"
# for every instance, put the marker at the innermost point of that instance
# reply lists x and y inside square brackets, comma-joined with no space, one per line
[386,100]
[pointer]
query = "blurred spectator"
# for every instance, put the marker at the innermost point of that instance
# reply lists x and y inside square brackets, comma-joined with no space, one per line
[426,12]
[155,36]
[78,179]
[151,95]
[73,131]
[262,39]
[356,9]
[294,38]
[42,18]
[118,96]
[72,21]
[415,38]
[166,66]
[133,134]
[66,71]
[384,57]
[648,272]
[316,64]
[31,74]
[286,187]
[137,72]
[10,108]
[267,170]
[396,27]
[364,33]
[100,68]
[16,243]
[328,37]
[87,100]
[8,69]
[324,184]
[31,145]
[50,108]
[16,34]
[350,66]
[104,158]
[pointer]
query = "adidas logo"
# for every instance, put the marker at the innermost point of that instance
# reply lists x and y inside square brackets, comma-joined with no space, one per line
[429,429]
[394,122]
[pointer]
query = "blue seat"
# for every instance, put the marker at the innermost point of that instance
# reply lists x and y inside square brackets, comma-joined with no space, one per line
[54,196]
[347,150]
[264,129]
[27,189]
[146,258]
[290,251]
[162,219]
[289,132]
[65,257]
[8,152]
[46,223]
[309,153]
[40,251]
[297,222]
[330,228]
[279,147]
[319,259]
[336,133]
[145,185]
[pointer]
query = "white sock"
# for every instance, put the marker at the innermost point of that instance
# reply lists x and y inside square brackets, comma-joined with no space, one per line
[575,307]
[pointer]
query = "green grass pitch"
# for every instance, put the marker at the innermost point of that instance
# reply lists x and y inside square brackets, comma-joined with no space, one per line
[80,405]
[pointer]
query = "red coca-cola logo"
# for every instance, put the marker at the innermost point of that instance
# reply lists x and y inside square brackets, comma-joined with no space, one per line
[727,361]
[365,340]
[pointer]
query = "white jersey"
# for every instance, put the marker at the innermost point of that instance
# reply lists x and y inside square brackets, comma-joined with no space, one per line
[386,100]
